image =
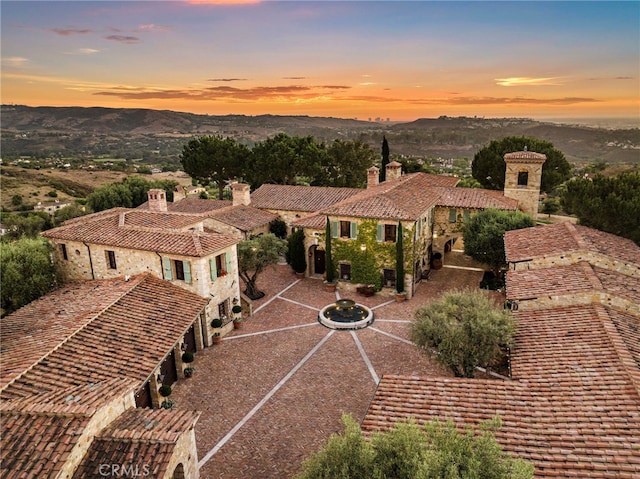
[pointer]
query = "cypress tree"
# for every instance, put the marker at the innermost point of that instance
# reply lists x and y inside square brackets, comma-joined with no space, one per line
[385,159]
[327,256]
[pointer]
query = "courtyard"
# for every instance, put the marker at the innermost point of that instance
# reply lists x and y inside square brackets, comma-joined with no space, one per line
[272,392]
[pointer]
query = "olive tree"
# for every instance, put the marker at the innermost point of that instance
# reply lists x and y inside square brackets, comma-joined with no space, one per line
[254,255]
[463,330]
[409,451]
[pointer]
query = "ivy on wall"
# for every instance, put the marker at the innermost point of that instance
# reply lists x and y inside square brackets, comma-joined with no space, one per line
[367,264]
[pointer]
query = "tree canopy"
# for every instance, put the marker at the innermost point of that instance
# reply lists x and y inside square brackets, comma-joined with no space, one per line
[345,164]
[408,451]
[610,204]
[464,330]
[26,272]
[214,159]
[254,255]
[483,235]
[488,166]
[283,159]
[129,193]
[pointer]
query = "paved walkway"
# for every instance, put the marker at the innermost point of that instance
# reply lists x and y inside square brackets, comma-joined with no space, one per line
[272,392]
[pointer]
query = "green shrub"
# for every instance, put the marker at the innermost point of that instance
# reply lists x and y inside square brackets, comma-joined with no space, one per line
[165,390]
[187,357]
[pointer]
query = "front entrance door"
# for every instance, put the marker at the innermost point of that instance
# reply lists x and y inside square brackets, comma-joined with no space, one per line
[318,263]
[190,339]
[168,369]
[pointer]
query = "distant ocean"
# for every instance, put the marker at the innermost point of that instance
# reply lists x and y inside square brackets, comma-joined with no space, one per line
[608,123]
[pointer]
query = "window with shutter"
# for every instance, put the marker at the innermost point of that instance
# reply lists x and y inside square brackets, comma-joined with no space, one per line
[452,215]
[166,264]
[213,271]
[380,233]
[335,231]
[354,230]
[186,265]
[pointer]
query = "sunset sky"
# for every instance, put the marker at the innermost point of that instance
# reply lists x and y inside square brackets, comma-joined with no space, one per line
[387,59]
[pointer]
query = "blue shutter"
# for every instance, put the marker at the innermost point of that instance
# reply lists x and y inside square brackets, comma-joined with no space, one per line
[166,263]
[380,233]
[353,230]
[212,269]
[187,271]
[227,257]
[335,231]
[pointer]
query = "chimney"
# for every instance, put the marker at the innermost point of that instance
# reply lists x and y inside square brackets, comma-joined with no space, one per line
[241,194]
[393,171]
[157,200]
[373,176]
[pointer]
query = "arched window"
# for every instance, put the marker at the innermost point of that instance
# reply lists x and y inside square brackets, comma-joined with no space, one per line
[523,178]
[178,472]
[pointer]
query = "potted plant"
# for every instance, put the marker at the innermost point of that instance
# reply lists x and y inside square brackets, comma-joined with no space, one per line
[436,261]
[187,357]
[167,404]
[216,338]
[188,372]
[216,323]
[237,316]
[165,390]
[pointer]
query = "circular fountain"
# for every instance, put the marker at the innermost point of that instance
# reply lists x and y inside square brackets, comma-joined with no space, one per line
[345,314]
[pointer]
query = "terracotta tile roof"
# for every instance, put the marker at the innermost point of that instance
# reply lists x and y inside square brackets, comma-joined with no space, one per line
[197,205]
[556,281]
[34,331]
[127,229]
[299,198]
[476,198]
[574,409]
[619,284]
[628,327]
[40,432]
[405,198]
[245,218]
[43,438]
[140,328]
[140,437]
[315,221]
[561,238]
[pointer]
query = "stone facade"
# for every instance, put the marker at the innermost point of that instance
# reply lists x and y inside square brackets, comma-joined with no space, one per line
[522,179]
[592,257]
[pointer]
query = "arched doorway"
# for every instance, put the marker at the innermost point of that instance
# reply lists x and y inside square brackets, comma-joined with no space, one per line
[317,256]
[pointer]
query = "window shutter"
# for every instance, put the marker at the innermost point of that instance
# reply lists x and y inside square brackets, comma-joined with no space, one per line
[380,233]
[187,271]
[212,269]
[452,215]
[354,230]
[335,231]
[166,263]
[227,257]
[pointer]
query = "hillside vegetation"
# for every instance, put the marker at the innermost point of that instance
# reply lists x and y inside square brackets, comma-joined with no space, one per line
[158,135]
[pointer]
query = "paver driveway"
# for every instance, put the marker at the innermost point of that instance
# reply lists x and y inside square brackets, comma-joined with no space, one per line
[272,392]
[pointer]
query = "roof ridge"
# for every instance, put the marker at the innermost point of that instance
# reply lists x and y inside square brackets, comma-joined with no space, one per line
[582,244]
[626,360]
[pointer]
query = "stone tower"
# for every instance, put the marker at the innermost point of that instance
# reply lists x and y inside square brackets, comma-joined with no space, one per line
[522,179]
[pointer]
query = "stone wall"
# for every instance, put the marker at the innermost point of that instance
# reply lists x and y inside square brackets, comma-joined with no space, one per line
[100,420]
[592,257]
[184,453]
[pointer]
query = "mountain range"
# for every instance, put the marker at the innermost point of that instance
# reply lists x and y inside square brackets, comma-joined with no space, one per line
[69,131]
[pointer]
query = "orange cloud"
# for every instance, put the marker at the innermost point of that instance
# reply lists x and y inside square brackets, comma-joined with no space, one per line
[527,81]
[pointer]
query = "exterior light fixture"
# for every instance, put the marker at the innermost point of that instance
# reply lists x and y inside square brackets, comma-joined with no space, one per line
[363,247]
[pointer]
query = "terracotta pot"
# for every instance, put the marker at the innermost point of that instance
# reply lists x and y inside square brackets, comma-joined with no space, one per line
[436,263]
[400,297]
[331,287]
[237,325]
[300,275]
